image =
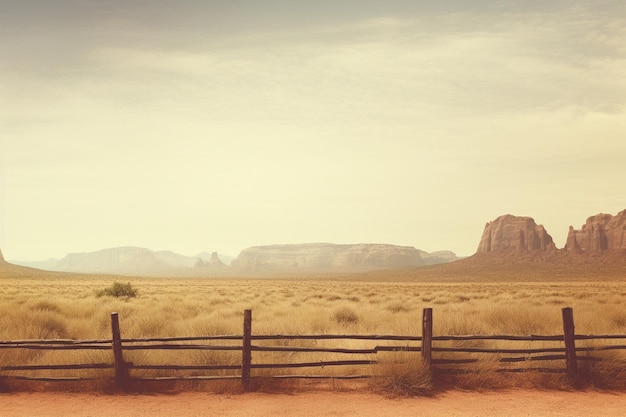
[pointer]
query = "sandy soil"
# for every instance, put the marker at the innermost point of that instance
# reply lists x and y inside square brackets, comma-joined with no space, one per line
[194,404]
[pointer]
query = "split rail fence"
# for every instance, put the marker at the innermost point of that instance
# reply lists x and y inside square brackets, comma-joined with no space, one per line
[443,354]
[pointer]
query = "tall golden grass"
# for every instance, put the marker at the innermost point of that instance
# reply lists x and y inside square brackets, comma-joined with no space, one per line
[68,307]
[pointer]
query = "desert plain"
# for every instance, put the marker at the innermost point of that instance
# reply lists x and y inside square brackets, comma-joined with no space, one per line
[507,300]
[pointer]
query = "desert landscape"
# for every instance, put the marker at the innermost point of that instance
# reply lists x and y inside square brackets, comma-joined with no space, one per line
[330,208]
[509,287]
[53,305]
[516,286]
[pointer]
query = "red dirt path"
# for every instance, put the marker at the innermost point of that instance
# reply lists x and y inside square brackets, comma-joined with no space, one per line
[515,403]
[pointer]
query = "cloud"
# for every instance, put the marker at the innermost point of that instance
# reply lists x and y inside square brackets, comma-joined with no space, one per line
[335,121]
[459,58]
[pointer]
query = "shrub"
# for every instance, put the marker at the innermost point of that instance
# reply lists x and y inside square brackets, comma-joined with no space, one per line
[398,307]
[346,315]
[402,374]
[119,290]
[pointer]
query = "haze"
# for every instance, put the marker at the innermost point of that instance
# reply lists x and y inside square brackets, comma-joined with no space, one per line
[217,125]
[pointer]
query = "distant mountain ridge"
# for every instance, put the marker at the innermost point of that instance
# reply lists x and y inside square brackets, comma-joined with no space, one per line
[310,256]
[131,260]
[509,244]
[128,260]
[516,249]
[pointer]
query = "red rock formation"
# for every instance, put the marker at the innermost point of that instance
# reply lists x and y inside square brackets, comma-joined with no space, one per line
[600,233]
[571,245]
[513,233]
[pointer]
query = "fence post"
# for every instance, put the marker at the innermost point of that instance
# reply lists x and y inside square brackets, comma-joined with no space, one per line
[247,349]
[570,346]
[120,366]
[427,336]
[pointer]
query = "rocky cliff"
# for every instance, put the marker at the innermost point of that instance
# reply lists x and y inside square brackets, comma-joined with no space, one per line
[513,233]
[327,255]
[1,257]
[602,238]
[600,233]
[213,262]
[113,260]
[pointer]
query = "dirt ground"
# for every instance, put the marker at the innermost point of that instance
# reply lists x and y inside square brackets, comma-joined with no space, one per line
[515,403]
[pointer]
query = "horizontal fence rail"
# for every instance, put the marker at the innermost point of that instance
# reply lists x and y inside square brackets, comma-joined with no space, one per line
[442,354]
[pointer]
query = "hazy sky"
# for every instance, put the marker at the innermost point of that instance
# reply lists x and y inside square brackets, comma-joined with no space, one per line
[217,125]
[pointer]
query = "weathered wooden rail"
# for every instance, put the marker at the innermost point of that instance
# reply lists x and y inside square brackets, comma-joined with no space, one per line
[441,358]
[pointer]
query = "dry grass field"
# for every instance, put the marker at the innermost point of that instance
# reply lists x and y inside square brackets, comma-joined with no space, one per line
[67,307]
[63,306]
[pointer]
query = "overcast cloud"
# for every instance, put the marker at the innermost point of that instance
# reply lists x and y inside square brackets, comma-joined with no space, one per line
[216,125]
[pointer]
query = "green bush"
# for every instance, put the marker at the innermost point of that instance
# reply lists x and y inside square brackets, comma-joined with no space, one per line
[119,290]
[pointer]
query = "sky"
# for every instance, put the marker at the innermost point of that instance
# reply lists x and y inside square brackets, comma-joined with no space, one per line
[217,125]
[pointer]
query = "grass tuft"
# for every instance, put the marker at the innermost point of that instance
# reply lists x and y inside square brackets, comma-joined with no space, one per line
[346,315]
[403,374]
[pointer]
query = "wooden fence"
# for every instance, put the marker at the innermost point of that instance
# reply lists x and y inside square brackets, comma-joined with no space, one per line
[443,354]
